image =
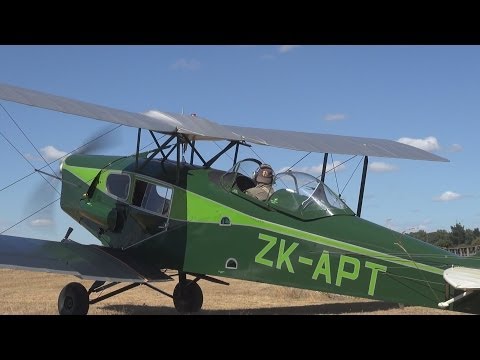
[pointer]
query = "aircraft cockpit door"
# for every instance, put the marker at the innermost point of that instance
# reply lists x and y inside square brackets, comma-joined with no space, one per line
[149,212]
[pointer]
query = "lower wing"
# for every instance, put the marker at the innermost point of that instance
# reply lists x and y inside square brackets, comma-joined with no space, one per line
[84,261]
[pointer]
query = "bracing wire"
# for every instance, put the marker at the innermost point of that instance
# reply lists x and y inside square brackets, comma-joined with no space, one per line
[353,173]
[26,137]
[222,149]
[51,162]
[335,172]
[303,157]
[17,181]
[29,216]
[48,164]
[343,162]
[399,244]
[28,161]
[251,148]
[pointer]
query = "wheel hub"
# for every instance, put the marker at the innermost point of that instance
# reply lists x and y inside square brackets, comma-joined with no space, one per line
[68,302]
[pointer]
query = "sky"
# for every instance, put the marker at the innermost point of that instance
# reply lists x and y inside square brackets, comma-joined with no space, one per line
[425,96]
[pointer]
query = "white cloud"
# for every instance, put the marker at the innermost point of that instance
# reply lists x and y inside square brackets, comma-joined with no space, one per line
[407,227]
[335,117]
[336,165]
[286,48]
[381,167]
[456,148]
[317,169]
[48,152]
[185,64]
[41,222]
[417,227]
[448,196]
[31,157]
[51,153]
[430,143]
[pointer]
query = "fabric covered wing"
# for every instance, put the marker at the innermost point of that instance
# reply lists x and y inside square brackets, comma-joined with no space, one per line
[197,128]
[85,261]
[167,123]
[333,144]
[80,108]
[463,278]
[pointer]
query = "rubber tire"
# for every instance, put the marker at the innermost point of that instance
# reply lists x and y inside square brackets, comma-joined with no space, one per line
[73,300]
[187,297]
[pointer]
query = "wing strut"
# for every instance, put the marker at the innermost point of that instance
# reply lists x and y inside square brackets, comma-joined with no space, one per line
[215,158]
[139,135]
[362,186]
[194,151]
[236,154]
[324,167]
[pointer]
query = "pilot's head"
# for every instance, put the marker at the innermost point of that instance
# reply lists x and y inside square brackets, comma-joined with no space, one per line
[264,174]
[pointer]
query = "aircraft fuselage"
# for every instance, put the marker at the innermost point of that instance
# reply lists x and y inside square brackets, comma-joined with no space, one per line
[205,228]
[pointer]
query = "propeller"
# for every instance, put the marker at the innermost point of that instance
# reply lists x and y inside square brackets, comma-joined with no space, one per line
[44,193]
[102,139]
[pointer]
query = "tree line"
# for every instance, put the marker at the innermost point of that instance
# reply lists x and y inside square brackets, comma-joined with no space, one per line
[457,236]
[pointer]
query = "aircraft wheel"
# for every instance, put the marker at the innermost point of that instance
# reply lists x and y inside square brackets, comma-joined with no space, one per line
[73,300]
[187,297]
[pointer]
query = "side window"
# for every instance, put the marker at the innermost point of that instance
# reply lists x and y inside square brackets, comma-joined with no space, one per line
[118,185]
[151,197]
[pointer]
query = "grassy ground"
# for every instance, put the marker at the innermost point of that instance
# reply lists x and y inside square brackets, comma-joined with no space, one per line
[25,292]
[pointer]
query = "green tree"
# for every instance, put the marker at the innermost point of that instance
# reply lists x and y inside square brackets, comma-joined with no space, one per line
[420,234]
[441,238]
[457,235]
[476,241]
[469,236]
[476,233]
[446,243]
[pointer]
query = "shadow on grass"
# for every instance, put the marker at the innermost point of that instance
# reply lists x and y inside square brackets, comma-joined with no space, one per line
[335,308]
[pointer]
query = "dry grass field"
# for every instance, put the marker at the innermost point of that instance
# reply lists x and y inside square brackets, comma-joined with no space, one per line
[23,292]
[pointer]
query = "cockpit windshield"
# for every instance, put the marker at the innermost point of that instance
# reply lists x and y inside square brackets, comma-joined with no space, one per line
[295,193]
[241,175]
[305,196]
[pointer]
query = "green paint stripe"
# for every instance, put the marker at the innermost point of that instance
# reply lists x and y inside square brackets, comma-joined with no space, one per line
[305,260]
[203,210]
[85,174]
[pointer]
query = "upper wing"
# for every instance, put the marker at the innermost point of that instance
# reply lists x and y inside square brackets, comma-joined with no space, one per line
[168,123]
[80,108]
[333,144]
[203,129]
[85,261]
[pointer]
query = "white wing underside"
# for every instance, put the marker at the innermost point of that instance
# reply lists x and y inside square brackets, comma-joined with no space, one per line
[463,278]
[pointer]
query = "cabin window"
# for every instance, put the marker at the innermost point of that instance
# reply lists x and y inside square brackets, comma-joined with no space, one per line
[118,185]
[151,197]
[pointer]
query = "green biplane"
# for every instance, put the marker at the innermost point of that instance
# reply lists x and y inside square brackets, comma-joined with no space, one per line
[154,211]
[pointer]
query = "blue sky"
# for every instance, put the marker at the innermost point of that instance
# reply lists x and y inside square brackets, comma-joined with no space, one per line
[427,95]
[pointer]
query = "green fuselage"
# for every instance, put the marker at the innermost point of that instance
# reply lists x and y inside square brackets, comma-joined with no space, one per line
[210,229]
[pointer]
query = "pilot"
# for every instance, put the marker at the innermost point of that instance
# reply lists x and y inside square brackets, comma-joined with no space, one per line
[263,177]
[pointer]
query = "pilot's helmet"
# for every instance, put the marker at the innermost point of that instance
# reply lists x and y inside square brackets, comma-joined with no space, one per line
[264,174]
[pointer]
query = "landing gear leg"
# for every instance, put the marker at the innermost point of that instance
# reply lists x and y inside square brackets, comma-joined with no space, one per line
[73,300]
[187,295]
